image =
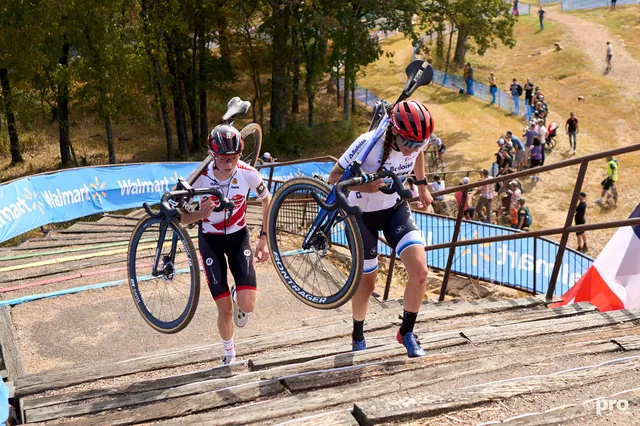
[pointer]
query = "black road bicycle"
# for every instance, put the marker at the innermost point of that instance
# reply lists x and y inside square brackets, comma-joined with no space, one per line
[162,262]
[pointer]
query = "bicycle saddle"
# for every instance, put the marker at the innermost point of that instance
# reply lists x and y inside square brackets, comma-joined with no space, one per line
[235,107]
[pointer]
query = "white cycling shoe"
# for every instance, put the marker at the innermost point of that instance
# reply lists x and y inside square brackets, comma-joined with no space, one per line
[240,318]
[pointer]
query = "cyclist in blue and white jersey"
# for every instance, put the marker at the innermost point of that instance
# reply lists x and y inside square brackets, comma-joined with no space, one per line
[400,150]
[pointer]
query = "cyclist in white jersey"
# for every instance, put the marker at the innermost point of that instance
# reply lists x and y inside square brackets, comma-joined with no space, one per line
[220,235]
[399,151]
[438,147]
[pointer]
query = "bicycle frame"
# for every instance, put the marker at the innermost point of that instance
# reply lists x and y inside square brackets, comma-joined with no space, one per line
[331,198]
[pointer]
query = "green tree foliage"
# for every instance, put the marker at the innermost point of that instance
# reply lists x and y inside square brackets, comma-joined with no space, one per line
[128,59]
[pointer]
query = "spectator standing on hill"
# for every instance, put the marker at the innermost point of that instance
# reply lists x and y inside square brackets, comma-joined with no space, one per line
[609,56]
[468,211]
[580,219]
[542,134]
[514,193]
[524,215]
[541,14]
[507,162]
[536,156]
[493,88]
[486,198]
[613,4]
[611,179]
[515,10]
[571,127]
[520,160]
[516,92]
[468,78]
[529,134]
[528,97]
[437,185]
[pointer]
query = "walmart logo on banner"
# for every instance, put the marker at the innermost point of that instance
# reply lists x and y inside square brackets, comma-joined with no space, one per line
[28,203]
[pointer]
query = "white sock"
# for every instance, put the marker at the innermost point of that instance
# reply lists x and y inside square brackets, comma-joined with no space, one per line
[229,348]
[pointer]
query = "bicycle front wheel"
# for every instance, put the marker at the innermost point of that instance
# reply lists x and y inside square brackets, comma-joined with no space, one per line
[166,299]
[325,275]
[252,136]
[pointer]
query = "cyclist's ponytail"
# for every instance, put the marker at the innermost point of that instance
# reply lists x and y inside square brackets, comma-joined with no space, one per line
[386,148]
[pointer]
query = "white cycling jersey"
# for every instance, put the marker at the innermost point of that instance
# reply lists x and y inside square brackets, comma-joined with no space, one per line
[437,143]
[236,189]
[397,162]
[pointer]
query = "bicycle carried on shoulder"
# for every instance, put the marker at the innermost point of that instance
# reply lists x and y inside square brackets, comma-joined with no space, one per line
[313,236]
[162,263]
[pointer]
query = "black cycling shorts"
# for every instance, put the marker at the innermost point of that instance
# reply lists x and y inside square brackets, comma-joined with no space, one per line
[239,257]
[607,183]
[442,149]
[398,227]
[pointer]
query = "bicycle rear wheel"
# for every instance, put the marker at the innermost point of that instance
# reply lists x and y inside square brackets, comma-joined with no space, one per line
[326,275]
[252,135]
[167,301]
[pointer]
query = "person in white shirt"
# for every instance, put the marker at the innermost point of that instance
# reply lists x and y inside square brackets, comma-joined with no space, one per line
[437,185]
[609,56]
[542,134]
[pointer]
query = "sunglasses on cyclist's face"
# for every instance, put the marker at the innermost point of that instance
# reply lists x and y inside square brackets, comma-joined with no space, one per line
[228,158]
[411,144]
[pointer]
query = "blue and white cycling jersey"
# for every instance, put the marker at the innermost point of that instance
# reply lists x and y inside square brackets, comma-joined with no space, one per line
[397,162]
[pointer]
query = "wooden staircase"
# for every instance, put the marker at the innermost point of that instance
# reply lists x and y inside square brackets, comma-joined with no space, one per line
[480,354]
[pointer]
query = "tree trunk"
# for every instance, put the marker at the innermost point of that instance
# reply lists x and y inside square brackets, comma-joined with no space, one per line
[446,66]
[191,83]
[311,95]
[337,86]
[14,141]
[178,100]
[279,70]
[295,102]
[461,47]
[353,98]
[347,81]
[63,110]
[110,146]
[204,121]
[440,42]
[223,33]
[157,82]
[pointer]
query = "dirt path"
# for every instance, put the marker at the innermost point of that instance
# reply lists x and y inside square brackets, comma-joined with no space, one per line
[592,39]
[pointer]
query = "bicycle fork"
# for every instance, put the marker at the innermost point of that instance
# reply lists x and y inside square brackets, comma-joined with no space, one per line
[167,261]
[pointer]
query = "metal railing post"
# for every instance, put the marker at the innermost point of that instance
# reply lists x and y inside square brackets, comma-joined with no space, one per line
[452,250]
[270,178]
[565,235]
[535,265]
[387,286]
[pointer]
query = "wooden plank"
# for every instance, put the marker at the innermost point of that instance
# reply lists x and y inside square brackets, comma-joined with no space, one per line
[218,372]
[103,224]
[332,418]
[9,346]
[418,404]
[570,412]
[457,308]
[628,343]
[123,397]
[188,404]
[344,396]
[64,377]
[60,378]
[550,326]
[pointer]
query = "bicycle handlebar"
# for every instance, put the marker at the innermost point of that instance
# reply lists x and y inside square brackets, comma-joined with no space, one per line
[167,210]
[341,199]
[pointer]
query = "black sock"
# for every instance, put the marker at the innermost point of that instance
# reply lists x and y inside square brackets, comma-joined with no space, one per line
[408,320]
[358,330]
